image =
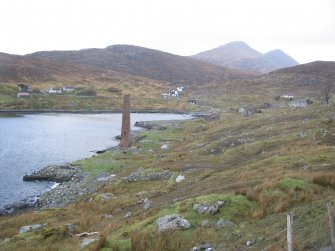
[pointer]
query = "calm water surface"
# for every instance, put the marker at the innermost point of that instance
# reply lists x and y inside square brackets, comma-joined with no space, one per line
[32,142]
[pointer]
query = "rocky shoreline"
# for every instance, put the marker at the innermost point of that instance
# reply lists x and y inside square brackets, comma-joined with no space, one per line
[71,181]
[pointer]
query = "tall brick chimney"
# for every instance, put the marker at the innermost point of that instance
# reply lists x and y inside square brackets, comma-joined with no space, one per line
[125,130]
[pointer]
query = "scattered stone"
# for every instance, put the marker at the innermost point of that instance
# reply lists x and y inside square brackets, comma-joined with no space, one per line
[70,227]
[87,241]
[173,221]
[206,247]
[85,234]
[107,216]
[206,223]
[180,178]
[105,178]
[165,147]
[207,208]
[141,175]
[147,204]
[6,240]
[208,117]
[141,193]
[55,173]
[302,134]
[266,106]
[127,215]
[22,205]
[106,196]
[299,103]
[30,228]
[151,125]
[203,247]
[246,111]
[222,223]
[251,243]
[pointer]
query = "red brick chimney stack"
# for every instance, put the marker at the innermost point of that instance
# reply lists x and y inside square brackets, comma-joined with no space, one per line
[125,130]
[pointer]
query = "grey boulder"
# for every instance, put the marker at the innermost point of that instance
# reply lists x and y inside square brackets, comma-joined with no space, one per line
[172,221]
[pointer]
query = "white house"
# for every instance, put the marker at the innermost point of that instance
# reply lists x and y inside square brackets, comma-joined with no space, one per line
[55,91]
[286,96]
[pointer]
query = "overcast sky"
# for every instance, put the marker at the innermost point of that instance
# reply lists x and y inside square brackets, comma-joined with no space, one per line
[304,29]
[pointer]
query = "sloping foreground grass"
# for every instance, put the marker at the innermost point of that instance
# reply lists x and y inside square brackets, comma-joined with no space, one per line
[262,167]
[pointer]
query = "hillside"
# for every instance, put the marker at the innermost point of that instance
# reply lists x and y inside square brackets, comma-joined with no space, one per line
[106,73]
[31,69]
[241,56]
[255,169]
[310,77]
[143,62]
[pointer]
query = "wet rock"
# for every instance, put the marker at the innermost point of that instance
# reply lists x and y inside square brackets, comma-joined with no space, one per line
[173,221]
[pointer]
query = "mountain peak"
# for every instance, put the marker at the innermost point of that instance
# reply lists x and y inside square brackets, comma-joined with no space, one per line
[228,52]
[237,44]
[280,58]
[240,55]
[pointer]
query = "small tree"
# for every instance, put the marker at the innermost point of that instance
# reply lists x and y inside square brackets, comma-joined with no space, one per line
[326,92]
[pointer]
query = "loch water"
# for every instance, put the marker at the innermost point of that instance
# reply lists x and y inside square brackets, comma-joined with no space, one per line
[33,141]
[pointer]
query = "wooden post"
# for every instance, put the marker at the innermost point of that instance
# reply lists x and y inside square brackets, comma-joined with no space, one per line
[331,224]
[290,231]
[125,130]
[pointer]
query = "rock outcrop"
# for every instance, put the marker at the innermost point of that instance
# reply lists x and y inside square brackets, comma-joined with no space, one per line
[207,208]
[171,222]
[142,175]
[62,173]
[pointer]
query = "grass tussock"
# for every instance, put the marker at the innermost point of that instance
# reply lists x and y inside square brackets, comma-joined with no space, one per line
[277,197]
[326,180]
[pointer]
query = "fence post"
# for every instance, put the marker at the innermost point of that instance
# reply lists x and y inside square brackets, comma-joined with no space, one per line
[290,231]
[331,224]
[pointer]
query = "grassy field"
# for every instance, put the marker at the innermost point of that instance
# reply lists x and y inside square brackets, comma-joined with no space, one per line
[262,167]
[145,96]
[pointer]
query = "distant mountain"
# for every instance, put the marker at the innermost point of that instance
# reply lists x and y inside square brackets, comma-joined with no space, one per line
[241,56]
[120,61]
[305,77]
